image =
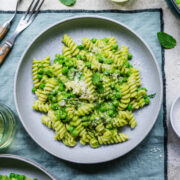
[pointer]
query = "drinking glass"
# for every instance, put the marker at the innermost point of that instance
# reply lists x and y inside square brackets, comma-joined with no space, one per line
[7,126]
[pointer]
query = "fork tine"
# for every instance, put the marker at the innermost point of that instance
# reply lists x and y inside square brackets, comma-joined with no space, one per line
[27,12]
[33,10]
[37,11]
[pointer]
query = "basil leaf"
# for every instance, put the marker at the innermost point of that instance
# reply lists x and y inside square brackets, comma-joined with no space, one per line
[96,79]
[68,2]
[166,40]
[152,95]
[100,89]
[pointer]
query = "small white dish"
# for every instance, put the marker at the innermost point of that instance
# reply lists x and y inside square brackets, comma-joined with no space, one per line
[175,116]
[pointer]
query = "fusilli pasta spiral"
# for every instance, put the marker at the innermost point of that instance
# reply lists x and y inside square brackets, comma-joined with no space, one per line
[89,92]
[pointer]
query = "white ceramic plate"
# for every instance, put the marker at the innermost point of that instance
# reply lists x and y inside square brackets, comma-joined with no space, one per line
[15,164]
[49,43]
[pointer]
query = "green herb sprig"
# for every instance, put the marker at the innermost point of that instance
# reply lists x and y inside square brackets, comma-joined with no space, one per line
[152,95]
[166,40]
[68,2]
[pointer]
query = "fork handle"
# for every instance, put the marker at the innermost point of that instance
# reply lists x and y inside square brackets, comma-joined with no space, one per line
[4,50]
[4,29]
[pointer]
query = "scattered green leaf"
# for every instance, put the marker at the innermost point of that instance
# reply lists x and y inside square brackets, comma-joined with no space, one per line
[68,2]
[166,40]
[152,95]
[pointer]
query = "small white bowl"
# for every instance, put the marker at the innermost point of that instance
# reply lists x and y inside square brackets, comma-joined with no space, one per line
[175,115]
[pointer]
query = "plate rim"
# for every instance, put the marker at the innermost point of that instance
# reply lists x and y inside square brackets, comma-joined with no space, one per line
[28,161]
[101,18]
[176,5]
[171,115]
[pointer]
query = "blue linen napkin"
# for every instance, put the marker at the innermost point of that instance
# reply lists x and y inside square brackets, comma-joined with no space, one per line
[147,161]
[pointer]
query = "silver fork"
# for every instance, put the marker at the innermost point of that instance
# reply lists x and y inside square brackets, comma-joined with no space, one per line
[24,22]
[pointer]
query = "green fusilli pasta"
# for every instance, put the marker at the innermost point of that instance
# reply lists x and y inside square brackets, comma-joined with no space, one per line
[89,92]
